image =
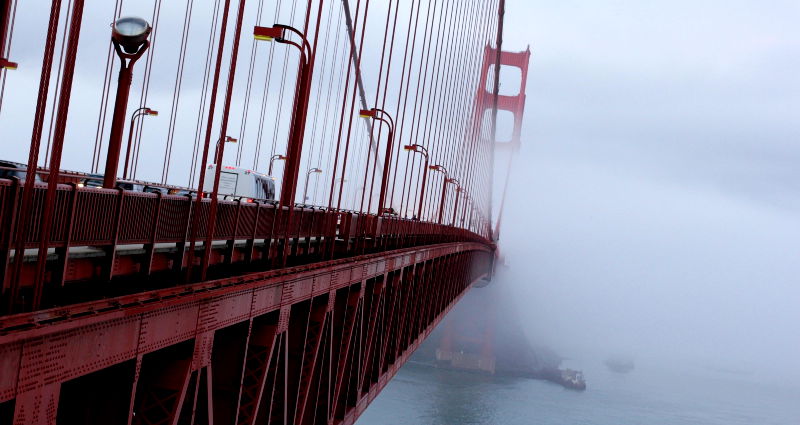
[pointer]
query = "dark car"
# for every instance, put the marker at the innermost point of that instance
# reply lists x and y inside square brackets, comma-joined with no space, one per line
[9,169]
[129,185]
[155,189]
[96,180]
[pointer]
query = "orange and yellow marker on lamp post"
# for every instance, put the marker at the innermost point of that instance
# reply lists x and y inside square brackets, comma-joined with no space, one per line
[267,33]
[7,64]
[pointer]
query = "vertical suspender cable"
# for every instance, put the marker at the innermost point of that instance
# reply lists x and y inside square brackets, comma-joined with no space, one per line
[101,115]
[146,85]
[409,177]
[401,111]
[341,113]
[375,105]
[329,165]
[265,95]
[23,225]
[176,91]
[353,102]
[203,97]
[58,81]
[246,100]
[320,85]
[198,201]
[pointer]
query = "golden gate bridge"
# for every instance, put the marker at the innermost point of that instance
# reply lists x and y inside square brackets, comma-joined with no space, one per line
[238,212]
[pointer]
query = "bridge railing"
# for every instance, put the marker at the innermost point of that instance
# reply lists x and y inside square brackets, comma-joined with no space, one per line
[113,223]
[96,217]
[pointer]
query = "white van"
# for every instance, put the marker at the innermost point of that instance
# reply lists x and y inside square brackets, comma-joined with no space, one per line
[237,182]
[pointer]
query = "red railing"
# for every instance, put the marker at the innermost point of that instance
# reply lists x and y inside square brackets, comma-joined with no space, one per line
[98,217]
[110,218]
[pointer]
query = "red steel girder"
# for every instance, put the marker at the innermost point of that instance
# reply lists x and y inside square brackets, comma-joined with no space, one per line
[309,345]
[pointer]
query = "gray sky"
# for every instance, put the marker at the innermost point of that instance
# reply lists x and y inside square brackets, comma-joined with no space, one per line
[654,204]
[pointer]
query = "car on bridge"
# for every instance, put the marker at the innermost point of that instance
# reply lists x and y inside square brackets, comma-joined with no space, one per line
[96,180]
[9,169]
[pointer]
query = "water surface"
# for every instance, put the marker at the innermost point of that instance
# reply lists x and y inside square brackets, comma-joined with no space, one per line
[647,396]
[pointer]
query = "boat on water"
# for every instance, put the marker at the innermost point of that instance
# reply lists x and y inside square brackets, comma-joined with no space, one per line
[619,365]
[573,379]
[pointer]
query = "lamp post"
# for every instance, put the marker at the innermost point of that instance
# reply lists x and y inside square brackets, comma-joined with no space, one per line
[308,175]
[228,139]
[341,181]
[129,37]
[297,128]
[387,119]
[455,205]
[447,179]
[421,149]
[466,207]
[141,112]
[272,160]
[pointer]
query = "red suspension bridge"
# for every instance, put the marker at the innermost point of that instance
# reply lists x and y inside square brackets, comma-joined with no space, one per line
[155,286]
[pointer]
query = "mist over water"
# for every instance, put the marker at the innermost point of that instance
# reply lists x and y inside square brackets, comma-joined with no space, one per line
[678,275]
[653,214]
[653,211]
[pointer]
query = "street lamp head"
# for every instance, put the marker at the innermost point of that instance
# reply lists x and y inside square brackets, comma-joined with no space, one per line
[410,148]
[229,139]
[367,113]
[151,112]
[267,33]
[7,64]
[315,170]
[130,33]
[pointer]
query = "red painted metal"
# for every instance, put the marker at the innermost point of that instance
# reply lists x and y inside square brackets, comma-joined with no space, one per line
[388,120]
[193,234]
[300,111]
[319,336]
[221,143]
[5,16]
[514,104]
[155,219]
[33,156]
[445,180]
[127,60]
[424,151]
[55,159]
[143,111]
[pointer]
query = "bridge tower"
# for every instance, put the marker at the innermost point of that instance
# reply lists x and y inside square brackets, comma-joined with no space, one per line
[465,343]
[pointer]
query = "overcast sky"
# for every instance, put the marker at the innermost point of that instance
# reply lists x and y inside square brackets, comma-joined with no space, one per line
[654,203]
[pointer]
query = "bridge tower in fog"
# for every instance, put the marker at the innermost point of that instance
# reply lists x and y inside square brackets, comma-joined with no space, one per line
[468,340]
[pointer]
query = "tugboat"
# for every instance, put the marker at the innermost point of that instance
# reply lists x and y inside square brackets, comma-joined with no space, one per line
[573,379]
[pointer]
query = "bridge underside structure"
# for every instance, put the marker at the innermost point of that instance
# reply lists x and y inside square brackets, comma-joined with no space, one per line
[307,345]
[186,305]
